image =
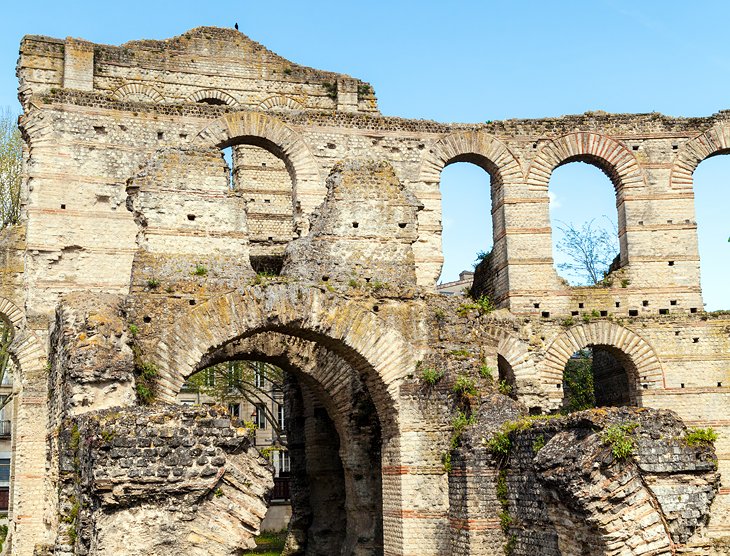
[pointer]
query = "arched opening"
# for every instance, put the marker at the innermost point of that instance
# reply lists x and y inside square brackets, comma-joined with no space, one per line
[712,197]
[264,177]
[466,221]
[323,439]
[584,222]
[598,376]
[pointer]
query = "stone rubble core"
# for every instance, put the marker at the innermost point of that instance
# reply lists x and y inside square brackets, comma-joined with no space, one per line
[147,251]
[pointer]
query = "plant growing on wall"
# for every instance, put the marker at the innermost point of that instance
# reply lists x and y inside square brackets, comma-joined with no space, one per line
[11,162]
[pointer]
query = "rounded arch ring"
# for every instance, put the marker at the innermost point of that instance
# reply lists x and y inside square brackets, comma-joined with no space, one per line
[647,367]
[309,187]
[612,157]
[711,142]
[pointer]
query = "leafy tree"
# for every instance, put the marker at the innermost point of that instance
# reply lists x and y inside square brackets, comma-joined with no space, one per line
[578,382]
[253,381]
[590,249]
[6,337]
[11,162]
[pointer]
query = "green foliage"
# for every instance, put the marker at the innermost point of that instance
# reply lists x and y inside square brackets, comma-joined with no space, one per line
[586,317]
[376,285]
[353,283]
[483,306]
[464,386]
[74,440]
[486,372]
[262,277]
[218,492]
[700,437]
[567,322]
[460,353]
[153,283]
[505,521]
[331,89]
[133,330]
[107,435]
[504,387]
[268,544]
[458,425]
[578,378]
[11,163]
[595,314]
[509,546]
[200,270]
[3,535]
[268,452]
[538,444]
[431,376]
[439,315]
[146,375]
[619,439]
[502,488]
[590,251]
[500,444]
[625,282]
[363,90]
[287,71]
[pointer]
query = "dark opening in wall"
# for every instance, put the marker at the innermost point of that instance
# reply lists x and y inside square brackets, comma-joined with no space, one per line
[212,101]
[267,264]
[596,377]
[633,312]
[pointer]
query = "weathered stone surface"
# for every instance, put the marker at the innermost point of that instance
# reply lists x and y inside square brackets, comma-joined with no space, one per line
[141,126]
[160,481]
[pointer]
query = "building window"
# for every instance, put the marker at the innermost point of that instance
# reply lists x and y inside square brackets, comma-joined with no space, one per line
[284,464]
[4,470]
[260,416]
[259,377]
[281,416]
[234,409]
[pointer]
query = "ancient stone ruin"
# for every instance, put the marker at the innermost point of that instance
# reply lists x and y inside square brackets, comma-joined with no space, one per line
[419,424]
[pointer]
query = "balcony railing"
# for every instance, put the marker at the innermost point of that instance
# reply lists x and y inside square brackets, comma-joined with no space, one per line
[5,428]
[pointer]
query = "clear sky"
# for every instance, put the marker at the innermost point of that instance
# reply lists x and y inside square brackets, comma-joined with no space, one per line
[468,61]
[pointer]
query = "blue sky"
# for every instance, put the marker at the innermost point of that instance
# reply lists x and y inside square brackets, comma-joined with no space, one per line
[468,61]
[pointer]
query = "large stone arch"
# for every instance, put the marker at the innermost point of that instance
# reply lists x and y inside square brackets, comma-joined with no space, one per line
[490,154]
[645,370]
[264,130]
[280,102]
[715,140]
[30,416]
[376,351]
[610,156]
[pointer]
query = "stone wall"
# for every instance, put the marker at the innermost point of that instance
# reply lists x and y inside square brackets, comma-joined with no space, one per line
[131,223]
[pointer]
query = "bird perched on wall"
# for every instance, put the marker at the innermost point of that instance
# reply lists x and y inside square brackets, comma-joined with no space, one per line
[236,25]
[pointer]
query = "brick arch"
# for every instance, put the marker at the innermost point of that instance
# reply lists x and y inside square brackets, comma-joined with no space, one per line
[257,128]
[715,140]
[278,102]
[646,369]
[28,470]
[346,327]
[203,94]
[138,89]
[477,147]
[515,352]
[610,156]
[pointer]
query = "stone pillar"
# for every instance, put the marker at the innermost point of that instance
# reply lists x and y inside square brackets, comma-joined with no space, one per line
[78,65]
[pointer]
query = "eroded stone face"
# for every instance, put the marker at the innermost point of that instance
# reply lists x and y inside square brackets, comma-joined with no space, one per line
[176,480]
